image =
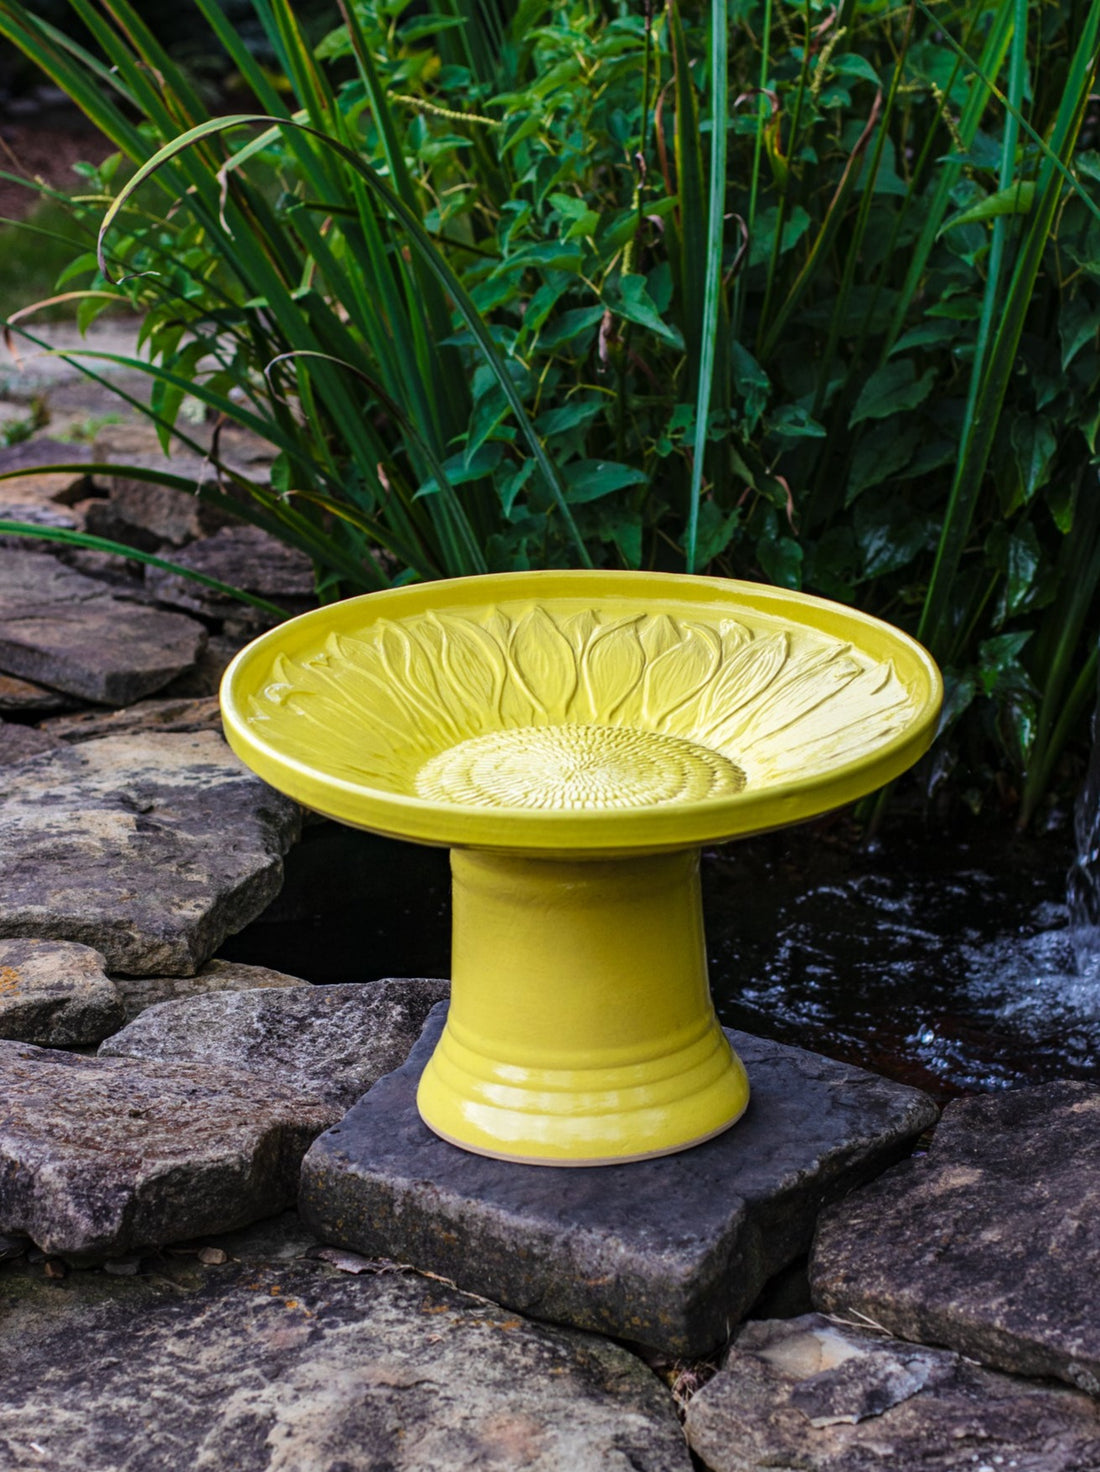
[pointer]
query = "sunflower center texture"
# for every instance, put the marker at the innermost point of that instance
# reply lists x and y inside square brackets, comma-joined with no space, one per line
[569,767]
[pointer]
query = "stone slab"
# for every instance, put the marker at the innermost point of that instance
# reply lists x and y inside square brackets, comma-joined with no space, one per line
[23,697]
[100,1156]
[332,1042]
[56,994]
[819,1396]
[990,1244]
[245,557]
[38,498]
[162,714]
[172,515]
[63,629]
[33,580]
[31,455]
[291,1366]
[205,675]
[150,848]
[139,992]
[106,649]
[670,1252]
[19,743]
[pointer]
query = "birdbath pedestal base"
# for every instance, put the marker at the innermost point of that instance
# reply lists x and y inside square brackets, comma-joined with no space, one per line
[581,1028]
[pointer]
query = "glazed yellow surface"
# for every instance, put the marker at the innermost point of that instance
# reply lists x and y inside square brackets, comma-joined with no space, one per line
[580,712]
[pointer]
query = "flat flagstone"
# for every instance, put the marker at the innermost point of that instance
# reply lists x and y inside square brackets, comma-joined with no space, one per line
[99,1156]
[670,1253]
[990,1244]
[42,497]
[172,515]
[159,714]
[28,457]
[332,1042]
[20,743]
[292,1366]
[811,1394]
[151,848]
[139,992]
[56,994]
[33,499]
[63,629]
[245,557]
[23,697]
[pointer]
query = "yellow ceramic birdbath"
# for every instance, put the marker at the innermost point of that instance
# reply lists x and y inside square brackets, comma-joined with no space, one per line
[574,738]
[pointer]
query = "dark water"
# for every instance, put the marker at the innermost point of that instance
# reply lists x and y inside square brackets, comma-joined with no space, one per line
[946,963]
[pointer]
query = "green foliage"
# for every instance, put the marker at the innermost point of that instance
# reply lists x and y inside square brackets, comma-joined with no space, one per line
[502,296]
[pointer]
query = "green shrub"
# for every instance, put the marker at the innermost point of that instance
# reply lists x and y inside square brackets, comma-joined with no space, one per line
[502,296]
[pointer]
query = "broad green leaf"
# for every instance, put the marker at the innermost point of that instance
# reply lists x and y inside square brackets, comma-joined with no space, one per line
[716,529]
[1034,446]
[459,470]
[792,421]
[892,388]
[751,382]
[781,560]
[630,299]
[889,534]
[510,487]
[623,527]
[794,227]
[552,255]
[849,64]
[1078,324]
[880,454]
[583,226]
[933,333]
[588,480]
[1020,560]
[1016,200]
[576,411]
[568,326]
[998,662]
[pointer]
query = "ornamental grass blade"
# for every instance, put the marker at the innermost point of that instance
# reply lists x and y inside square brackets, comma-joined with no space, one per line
[1004,315]
[420,241]
[712,290]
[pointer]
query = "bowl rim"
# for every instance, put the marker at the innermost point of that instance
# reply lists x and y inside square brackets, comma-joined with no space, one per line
[599,832]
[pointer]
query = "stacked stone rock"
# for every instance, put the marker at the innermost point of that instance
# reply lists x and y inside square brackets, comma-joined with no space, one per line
[953,1290]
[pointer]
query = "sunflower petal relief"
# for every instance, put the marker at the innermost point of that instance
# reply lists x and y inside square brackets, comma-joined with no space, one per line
[526,707]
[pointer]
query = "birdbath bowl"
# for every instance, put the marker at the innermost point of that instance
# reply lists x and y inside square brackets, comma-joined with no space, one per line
[575,738]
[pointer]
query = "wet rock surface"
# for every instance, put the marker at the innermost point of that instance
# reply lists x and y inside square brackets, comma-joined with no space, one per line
[56,994]
[151,848]
[811,1394]
[62,629]
[990,1245]
[670,1253]
[332,1042]
[99,1156]
[139,992]
[274,1364]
